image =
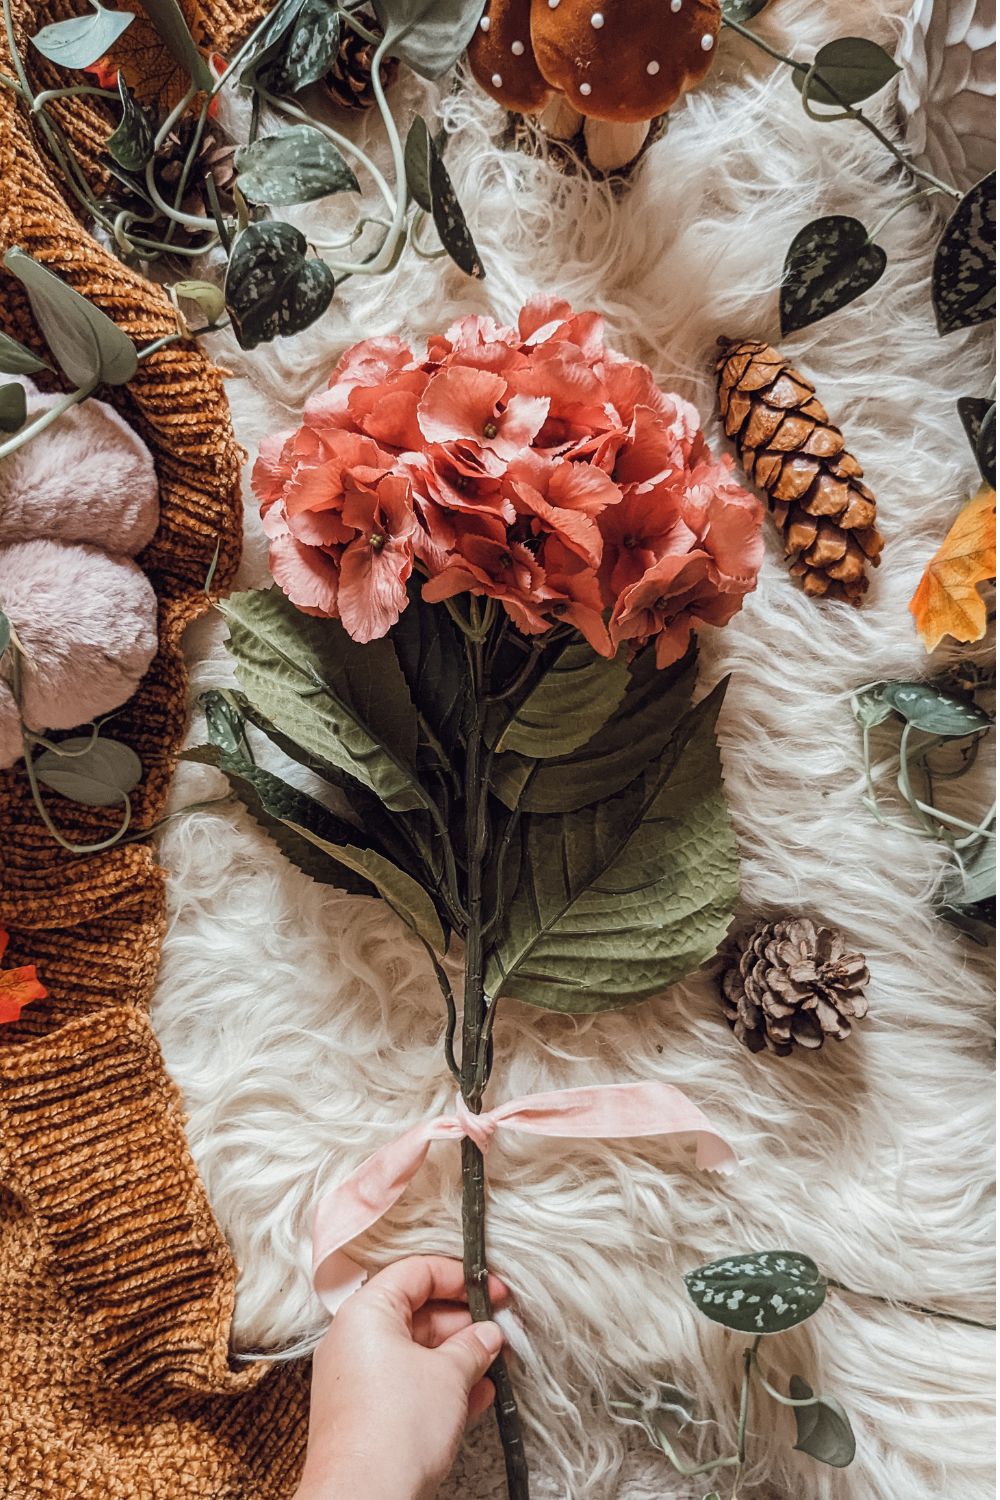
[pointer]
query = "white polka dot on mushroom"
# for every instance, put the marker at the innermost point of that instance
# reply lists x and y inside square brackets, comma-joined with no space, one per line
[675,6]
[652,68]
[597,20]
[484,24]
[707,42]
[496,81]
[517,48]
[585,89]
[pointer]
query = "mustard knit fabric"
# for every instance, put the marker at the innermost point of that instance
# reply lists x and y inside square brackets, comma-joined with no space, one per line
[116,1285]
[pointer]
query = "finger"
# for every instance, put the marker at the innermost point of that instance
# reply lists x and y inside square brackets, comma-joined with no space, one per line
[472,1351]
[437,1322]
[409,1284]
[480,1399]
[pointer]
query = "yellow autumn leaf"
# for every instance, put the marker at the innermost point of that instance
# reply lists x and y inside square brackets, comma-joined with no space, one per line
[947,601]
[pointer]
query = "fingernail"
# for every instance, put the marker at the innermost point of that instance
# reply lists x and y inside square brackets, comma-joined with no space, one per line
[491,1338]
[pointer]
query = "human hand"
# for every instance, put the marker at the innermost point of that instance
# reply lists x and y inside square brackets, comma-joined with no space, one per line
[395,1378]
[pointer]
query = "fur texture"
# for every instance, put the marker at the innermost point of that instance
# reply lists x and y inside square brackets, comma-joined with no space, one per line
[305,1028]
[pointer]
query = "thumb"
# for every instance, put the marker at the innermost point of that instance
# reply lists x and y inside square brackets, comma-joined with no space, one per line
[472,1350]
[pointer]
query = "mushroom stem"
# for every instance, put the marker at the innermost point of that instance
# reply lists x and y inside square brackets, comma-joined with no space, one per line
[613,144]
[559,119]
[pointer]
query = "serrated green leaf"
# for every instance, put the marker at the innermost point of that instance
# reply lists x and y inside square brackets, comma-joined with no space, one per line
[168,19]
[13,407]
[964,276]
[568,704]
[618,900]
[869,706]
[81,40]
[824,1429]
[89,347]
[272,289]
[431,187]
[760,1292]
[346,703]
[854,68]
[98,774]
[297,166]
[131,143]
[15,359]
[934,711]
[830,263]
[431,656]
[308,48]
[428,35]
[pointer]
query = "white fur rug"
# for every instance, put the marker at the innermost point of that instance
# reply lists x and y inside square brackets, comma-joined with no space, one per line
[304,1027]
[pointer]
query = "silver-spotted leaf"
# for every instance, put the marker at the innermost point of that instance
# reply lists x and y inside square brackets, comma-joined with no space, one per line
[934,711]
[431,187]
[428,35]
[130,144]
[978,416]
[853,67]
[568,704]
[823,1430]
[272,289]
[759,1292]
[15,359]
[89,347]
[869,706]
[830,262]
[308,51]
[267,50]
[81,40]
[964,277]
[13,407]
[297,166]
[98,773]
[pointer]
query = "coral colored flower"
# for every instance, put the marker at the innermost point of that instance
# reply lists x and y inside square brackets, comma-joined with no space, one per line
[18,987]
[374,566]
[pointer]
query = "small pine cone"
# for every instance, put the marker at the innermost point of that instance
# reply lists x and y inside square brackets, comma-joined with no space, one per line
[215,158]
[349,81]
[791,449]
[790,983]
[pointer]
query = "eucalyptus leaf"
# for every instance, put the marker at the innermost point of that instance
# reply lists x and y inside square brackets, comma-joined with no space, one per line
[208,298]
[568,704]
[760,1292]
[618,900]
[131,143]
[854,68]
[168,19]
[869,706]
[6,634]
[309,48]
[934,711]
[979,418]
[431,187]
[98,774]
[824,1429]
[830,263]
[742,10]
[15,359]
[89,347]
[81,40]
[343,702]
[428,35]
[297,166]
[964,276]
[13,407]
[272,290]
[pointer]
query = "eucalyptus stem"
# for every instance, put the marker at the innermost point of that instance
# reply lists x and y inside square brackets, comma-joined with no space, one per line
[45,419]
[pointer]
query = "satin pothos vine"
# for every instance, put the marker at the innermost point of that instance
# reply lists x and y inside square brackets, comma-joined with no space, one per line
[491,559]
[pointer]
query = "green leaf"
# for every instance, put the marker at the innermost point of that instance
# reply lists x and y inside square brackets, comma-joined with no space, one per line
[568,704]
[823,1429]
[272,289]
[431,656]
[297,166]
[308,49]
[98,774]
[6,634]
[977,921]
[979,418]
[346,703]
[830,263]
[226,725]
[13,407]
[270,44]
[935,711]
[15,359]
[616,901]
[975,881]
[760,1292]
[854,68]
[428,35]
[168,19]
[90,348]
[431,187]
[869,706]
[208,298]
[742,10]
[131,143]
[81,40]
[964,276]
[654,704]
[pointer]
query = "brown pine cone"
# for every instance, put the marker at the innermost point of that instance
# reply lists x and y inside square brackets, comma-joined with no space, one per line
[215,158]
[349,81]
[790,983]
[791,449]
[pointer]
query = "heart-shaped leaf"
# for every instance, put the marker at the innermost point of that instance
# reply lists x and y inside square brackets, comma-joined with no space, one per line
[81,40]
[428,35]
[272,289]
[823,1429]
[964,277]
[131,143]
[268,47]
[98,774]
[87,344]
[429,183]
[307,51]
[760,1292]
[174,32]
[869,706]
[854,68]
[979,418]
[207,297]
[934,711]
[297,166]
[15,359]
[830,263]
[13,407]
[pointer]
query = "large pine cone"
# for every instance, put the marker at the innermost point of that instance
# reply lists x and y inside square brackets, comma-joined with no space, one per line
[791,983]
[791,449]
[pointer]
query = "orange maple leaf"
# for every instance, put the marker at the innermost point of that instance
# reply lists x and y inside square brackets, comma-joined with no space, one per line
[947,601]
[145,62]
[18,987]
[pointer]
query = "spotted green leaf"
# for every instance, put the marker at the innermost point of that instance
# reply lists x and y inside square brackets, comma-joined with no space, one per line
[760,1292]
[823,1430]
[935,711]
[81,40]
[272,288]
[869,706]
[964,276]
[979,418]
[130,144]
[431,187]
[309,48]
[830,262]
[98,773]
[297,166]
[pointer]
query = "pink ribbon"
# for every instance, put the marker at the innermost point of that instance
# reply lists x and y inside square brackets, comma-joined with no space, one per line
[602,1111]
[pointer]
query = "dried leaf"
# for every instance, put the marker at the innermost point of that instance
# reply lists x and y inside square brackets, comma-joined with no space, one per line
[947,601]
[18,987]
[149,65]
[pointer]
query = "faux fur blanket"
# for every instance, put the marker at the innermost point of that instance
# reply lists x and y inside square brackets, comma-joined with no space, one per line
[305,1028]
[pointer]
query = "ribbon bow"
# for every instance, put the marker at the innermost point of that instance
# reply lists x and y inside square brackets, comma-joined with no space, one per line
[599,1112]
